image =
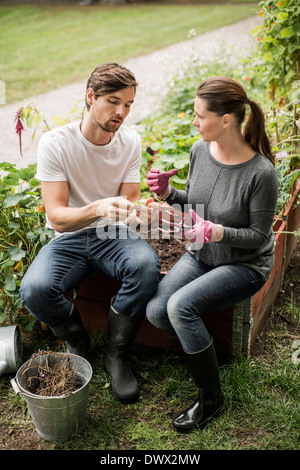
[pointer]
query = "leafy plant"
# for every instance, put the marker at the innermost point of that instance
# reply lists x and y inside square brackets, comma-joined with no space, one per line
[23,233]
[172,149]
[22,218]
[286,178]
[279,45]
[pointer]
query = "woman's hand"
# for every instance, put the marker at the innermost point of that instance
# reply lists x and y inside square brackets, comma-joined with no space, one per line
[203,231]
[158,182]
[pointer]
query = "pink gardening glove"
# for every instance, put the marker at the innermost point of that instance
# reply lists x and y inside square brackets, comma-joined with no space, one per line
[157,181]
[201,231]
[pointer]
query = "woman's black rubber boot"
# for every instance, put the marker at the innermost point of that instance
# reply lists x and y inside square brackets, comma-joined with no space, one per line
[210,402]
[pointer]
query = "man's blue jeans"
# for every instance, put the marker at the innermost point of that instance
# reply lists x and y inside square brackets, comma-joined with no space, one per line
[64,262]
[191,289]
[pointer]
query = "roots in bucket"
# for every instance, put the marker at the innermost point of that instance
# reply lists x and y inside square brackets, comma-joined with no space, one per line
[52,376]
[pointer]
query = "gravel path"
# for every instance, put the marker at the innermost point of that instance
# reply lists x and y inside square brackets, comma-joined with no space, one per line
[152,72]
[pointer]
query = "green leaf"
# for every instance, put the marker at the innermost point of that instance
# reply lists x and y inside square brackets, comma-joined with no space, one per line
[155,146]
[268,39]
[168,144]
[59,121]
[9,284]
[14,225]
[36,119]
[287,32]
[30,235]
[12,200]
[268,56]
[16,254]
[182,160]
[282,16]
[6,166]
[29,324]
[29,120]
[167,157]
[289,76]
[178,180]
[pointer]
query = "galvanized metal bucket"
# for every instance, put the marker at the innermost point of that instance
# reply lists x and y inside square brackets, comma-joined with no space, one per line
[61,417]
[11,349]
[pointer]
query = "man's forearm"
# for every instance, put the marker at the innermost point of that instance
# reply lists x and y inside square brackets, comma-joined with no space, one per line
[70,219]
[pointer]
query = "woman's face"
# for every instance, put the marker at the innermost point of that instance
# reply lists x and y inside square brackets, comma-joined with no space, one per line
[209,124]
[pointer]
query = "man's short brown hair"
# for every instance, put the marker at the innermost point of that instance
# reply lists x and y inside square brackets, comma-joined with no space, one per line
[108,78]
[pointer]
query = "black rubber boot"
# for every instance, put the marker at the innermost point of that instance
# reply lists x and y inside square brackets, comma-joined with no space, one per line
[121,333]
[210,402]
[72,331]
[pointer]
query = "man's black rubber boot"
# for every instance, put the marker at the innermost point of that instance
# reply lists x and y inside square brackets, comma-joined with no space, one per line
[121,333]
[72,331]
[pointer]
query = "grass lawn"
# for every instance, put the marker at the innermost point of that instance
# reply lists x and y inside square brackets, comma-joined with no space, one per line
[44,46]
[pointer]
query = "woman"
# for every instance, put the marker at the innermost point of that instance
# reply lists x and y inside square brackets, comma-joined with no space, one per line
[232,177]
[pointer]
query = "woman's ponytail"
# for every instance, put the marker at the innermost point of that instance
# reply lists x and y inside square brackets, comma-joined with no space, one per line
[254,131]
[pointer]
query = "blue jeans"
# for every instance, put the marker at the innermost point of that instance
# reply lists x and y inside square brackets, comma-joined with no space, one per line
[191,289]
[65,261]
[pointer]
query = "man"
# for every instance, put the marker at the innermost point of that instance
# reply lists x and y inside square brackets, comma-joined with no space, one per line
[89,175]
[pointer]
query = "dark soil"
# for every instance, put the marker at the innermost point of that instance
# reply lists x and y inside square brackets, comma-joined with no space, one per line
[169,251]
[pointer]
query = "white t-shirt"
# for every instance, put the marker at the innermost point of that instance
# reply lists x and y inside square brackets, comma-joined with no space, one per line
[91,171]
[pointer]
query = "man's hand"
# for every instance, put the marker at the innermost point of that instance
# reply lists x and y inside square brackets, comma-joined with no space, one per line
[143,213]
[119,209]
[115,209]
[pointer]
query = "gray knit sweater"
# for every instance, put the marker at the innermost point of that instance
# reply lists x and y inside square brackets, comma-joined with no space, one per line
[240,197]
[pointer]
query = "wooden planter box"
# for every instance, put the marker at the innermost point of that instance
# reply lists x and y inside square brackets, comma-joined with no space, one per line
[236,328]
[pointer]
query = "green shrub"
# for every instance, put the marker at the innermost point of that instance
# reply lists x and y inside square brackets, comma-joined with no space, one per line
[23,233]
[278,55]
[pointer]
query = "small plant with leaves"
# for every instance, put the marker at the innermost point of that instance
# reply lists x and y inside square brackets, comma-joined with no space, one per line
[287,178]
[171,148]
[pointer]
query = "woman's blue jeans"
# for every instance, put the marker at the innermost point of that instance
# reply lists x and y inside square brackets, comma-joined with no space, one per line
[191,289]
[64,262]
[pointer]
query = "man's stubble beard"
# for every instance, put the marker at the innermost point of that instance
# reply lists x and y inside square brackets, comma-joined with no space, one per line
[109,127]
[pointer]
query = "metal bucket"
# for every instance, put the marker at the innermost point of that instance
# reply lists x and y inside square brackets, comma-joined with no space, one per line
[11,349]
[61,417]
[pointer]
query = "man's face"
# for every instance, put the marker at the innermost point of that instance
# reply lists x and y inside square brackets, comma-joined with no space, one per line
[109,111]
